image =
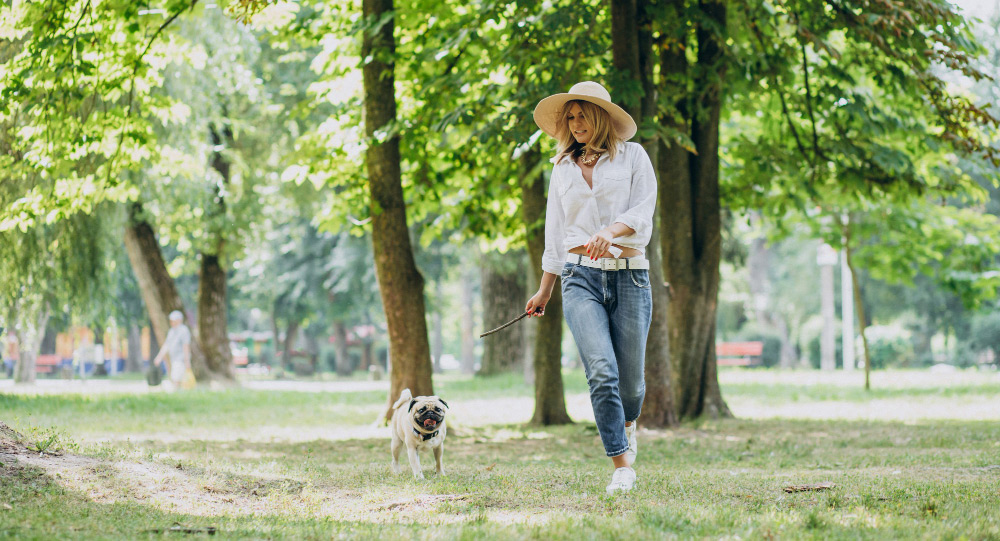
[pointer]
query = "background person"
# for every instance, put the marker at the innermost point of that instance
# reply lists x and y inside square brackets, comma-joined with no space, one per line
[176,347]
[10,352]
[598,221]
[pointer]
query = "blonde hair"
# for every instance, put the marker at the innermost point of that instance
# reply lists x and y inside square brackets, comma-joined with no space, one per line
[605,137]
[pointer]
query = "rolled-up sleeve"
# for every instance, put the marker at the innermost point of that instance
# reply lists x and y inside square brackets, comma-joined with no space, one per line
[555,253]
[642,199]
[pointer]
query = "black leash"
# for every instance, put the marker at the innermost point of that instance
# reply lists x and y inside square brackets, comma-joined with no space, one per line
[509,323]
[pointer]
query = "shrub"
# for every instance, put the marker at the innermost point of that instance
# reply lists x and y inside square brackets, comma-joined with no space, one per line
[266,355]
[985,333]
[771,355]
[889,346]
[810,336]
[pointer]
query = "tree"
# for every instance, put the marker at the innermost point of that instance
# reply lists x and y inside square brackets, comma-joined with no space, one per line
[400,282]
[156,286]
[856,130]
[690,208]
[48,269]
[632,55]
[550,400]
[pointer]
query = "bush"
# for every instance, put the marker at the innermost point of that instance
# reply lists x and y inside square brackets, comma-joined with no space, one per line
[266,355]
[771,355]
[810,335]
[985,333]
[889,346]
[814,346]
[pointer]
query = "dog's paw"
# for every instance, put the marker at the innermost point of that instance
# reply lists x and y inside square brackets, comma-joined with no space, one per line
[441,473]
[396,468]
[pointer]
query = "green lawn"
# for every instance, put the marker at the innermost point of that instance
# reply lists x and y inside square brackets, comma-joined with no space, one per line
[932,479]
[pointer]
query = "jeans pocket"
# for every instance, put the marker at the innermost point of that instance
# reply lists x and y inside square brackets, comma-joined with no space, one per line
[567,271]
[640,278]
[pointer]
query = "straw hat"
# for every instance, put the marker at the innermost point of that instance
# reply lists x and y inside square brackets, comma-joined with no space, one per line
[548,112]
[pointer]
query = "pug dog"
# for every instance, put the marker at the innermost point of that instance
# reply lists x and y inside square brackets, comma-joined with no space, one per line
[418,423]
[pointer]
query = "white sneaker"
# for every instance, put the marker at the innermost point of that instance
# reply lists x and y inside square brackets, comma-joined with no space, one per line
[622,480]
[633,448]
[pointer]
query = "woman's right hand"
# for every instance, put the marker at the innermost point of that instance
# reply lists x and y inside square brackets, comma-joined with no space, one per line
[536,304]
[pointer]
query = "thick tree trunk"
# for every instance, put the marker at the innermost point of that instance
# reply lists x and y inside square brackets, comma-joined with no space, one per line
[157,288]
[340,349]
[550,399]
[212,291]
[503,295]
[212,320]
[690,215]
[632,54]
[400,283]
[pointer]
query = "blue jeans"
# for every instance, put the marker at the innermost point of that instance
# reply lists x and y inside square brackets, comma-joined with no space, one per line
[609,313]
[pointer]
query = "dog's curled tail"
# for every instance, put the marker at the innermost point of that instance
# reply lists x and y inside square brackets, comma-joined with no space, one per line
[404,397]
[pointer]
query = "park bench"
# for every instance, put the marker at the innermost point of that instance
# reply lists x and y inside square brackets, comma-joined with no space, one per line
[48,364]
[738,353]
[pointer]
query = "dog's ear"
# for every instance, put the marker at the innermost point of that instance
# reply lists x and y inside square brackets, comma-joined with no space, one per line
[445,403]
[412,403]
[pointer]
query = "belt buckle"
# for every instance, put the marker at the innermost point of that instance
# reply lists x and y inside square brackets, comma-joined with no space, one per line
[610,264]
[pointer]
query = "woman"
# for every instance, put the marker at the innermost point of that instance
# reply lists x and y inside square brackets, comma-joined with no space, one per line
[597,224]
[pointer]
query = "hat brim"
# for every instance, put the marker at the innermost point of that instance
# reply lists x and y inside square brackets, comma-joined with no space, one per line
[548,114]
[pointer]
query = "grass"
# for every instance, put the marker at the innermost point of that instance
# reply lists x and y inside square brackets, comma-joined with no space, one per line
[930,479]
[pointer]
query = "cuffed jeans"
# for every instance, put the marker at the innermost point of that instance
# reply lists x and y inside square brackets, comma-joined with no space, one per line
[609,313]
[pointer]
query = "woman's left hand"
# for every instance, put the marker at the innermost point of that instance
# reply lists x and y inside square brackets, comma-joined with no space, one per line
[597,246]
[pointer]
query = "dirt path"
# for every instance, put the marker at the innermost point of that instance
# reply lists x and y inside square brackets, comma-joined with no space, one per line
[193,492]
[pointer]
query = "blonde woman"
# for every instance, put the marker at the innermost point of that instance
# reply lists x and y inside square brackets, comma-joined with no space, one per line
[598,221]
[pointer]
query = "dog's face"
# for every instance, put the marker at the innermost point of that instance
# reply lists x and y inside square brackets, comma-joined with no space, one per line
[427,412]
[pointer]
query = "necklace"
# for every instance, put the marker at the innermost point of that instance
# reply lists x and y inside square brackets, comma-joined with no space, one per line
[590,159]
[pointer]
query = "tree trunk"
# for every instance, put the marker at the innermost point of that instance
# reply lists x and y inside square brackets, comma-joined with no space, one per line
[690,214]
[400,283]
[133,363]
[550,400]
[288,345]
[212,291]
[157,288]
[632,53]
[859,304]
[468,321]
[29,340]
[340,348]
[437,340]
[312,346]
[503,294]
[212,320]
[367,356]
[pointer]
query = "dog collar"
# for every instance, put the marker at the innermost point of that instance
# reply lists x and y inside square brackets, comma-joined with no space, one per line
[425,437]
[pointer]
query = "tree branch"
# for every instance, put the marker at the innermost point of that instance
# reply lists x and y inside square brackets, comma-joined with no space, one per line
[812,119]
[781,95]
[135,72]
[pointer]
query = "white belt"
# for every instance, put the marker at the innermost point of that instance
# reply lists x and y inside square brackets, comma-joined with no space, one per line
[609,263]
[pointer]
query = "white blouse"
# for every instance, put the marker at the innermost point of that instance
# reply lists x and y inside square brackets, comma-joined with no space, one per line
[624,191]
